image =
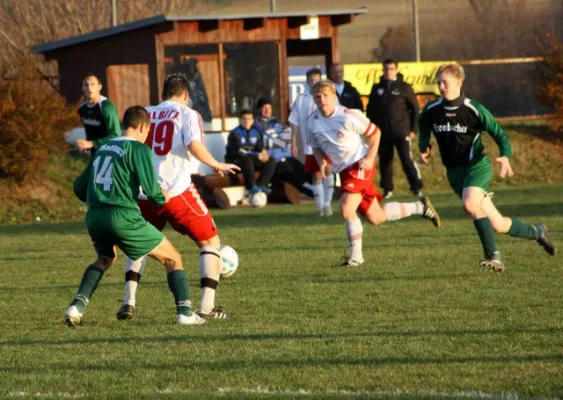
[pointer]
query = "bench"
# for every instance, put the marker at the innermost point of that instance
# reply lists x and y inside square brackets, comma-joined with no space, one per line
[217,191]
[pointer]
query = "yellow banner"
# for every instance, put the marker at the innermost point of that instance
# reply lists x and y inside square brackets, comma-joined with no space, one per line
[421,75]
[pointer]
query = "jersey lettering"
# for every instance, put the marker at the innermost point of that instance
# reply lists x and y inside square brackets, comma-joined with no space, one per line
[104,175]
[160,137]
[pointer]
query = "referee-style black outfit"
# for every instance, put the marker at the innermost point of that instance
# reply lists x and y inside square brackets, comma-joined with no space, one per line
[393,108]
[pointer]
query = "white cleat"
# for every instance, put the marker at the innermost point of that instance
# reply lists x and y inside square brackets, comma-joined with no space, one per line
[73,317]
[193,319]
[327,211]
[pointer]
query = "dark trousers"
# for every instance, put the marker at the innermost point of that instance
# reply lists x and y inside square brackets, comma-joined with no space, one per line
[292,171]
[386,150]
[250,164]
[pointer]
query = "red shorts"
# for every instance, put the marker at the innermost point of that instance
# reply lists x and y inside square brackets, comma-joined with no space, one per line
[353,180]
[311,164]
[187,213]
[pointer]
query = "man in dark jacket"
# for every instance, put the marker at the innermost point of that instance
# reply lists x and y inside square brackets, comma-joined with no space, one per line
[393,108]
[245,148]
[347,94]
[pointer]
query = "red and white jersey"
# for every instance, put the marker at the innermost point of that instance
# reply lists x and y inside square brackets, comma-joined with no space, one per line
[340,135]
[173,127]
[303,106]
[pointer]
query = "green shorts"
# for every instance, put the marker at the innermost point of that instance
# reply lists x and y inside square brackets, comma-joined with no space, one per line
[476,174]
[123,227]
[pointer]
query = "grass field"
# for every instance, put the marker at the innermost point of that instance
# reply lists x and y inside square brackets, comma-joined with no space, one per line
[418,320]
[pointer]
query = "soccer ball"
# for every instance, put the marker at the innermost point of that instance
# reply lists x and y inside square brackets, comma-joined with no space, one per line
[258,200]
[229,261]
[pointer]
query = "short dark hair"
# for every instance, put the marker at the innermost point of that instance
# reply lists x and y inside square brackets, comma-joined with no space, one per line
[134,116]
[245,111]
[92,75]
[262,101]
[174,85]
[388,61]
[313,71]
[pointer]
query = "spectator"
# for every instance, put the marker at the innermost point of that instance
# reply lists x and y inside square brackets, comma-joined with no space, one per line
[347,94]
[245,148]
[393,107]
[98,115]
[288,169]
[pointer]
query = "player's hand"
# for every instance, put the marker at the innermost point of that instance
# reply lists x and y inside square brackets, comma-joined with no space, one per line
[294,151]
[84,144]
[221,168]
[505,167]
[366,164]
[423,159]
[412,135]
[166,195]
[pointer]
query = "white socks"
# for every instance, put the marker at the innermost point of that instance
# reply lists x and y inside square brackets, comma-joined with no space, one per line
[328,188]
[209,271]
[396,211]
[133,272]
[318,190]
[354,231]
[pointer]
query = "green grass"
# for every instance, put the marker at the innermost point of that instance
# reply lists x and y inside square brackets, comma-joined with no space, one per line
[418,320]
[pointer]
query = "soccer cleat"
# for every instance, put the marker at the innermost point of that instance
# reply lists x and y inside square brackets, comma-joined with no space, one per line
[216,313]
[73,317]
[419,194]
[125,312]
[320,213]
[492,262]
[429,212]
[388,195]
[327,211]
[545,240]
[193,319]
[350,262]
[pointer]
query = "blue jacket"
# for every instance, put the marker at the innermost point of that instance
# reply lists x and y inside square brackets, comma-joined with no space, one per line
[243,142]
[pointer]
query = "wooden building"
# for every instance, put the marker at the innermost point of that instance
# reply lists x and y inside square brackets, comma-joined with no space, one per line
[231,60]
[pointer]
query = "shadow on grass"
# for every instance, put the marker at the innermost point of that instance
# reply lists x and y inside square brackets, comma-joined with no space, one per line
[294,336]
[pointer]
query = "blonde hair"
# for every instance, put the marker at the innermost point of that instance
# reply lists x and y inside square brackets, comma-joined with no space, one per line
[455,70]
[324,83]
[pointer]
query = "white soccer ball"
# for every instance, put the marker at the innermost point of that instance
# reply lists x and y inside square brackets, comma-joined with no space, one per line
[258,200]
[229,261]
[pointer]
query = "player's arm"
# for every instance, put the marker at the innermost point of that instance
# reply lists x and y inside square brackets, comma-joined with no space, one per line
[111,121]
[366,128]
[293,123]
[489,124]
[424,135]
[80,186]
[143,165]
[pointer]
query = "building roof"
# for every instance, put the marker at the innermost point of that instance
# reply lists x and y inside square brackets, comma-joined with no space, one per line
[158,19]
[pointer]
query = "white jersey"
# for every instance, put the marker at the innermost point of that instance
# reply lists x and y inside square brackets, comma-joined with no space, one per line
[303,106]
[173,127]
[340,135]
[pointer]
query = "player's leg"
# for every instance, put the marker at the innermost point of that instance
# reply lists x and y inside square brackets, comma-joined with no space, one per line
[189,215]
[385,152]
[412,172]
[134,270]
[328,190]
[312,167]
[515,227]
[395,211]
[349,203]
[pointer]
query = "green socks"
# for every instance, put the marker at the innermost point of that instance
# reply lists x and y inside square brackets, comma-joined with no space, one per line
[92,276]
[178,284]
[486,235]
[521,229]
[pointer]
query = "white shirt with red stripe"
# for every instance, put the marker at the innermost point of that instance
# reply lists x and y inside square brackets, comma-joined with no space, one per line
[303,106]
[339,136]
[173,127]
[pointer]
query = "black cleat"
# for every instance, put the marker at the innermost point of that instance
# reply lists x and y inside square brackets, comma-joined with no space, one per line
[125,312]
[216,313]
[492,262]
[430,212]
[545,241]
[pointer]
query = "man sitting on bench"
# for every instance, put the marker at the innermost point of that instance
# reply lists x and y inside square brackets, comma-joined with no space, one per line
[245,148]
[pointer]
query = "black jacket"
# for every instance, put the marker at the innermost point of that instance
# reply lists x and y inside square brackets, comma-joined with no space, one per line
[350,97]
[393,109]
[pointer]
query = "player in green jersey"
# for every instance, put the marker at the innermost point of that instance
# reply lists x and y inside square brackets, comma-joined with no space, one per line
[110,186]
[457,123]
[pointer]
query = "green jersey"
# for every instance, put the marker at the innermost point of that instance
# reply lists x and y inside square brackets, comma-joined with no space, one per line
[101,122]
[116,173]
